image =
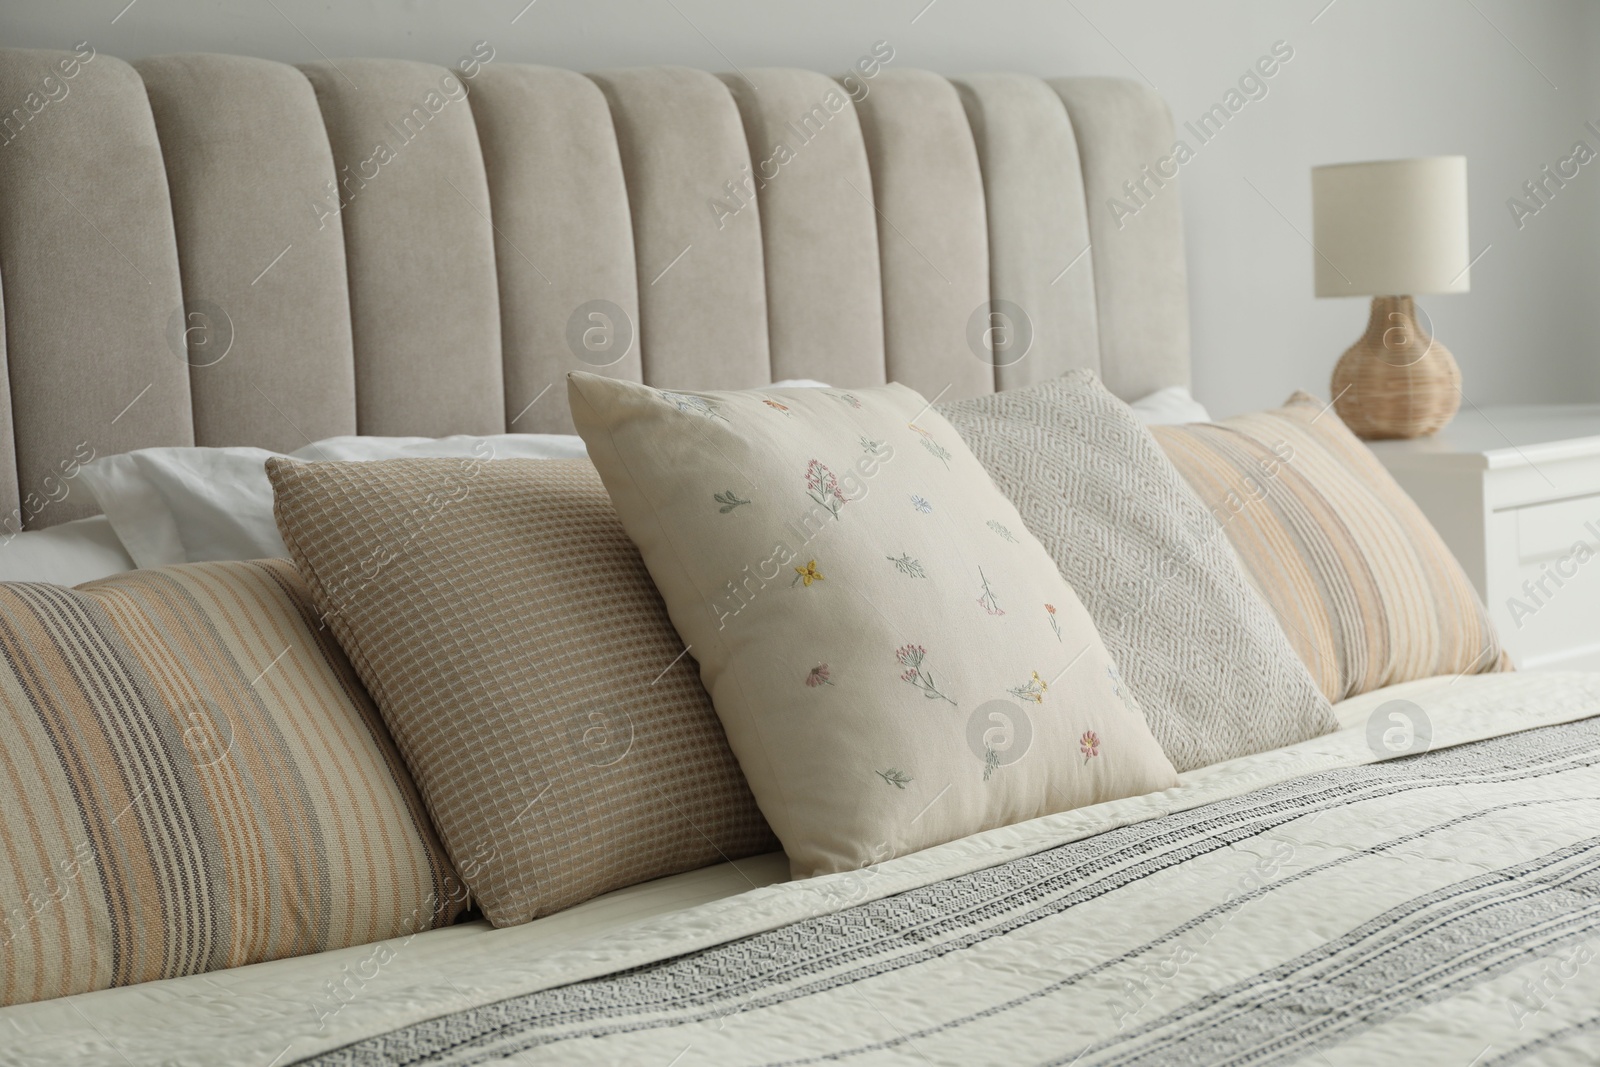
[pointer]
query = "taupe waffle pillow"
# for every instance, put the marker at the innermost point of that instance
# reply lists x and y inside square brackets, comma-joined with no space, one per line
[1215,673]
[515,645]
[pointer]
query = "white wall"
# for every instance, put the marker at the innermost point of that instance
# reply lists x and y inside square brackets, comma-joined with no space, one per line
[1369,79]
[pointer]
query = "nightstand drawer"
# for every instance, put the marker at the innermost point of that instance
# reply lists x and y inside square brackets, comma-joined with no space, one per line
[1547,618]
[1550,531]
[1514,491]
[1544,591]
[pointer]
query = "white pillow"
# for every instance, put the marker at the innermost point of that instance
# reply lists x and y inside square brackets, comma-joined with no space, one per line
[1169,407]
[68,554]
[189,505]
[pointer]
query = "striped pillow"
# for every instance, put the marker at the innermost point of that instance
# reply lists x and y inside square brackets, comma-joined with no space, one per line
[192,778]
[1363,585]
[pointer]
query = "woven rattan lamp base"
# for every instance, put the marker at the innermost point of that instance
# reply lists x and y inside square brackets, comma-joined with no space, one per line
[1398,380]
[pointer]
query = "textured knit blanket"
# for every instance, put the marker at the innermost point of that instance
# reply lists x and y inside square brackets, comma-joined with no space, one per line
[1440,908]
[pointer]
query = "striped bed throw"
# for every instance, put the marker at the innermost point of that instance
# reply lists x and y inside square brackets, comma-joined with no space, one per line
[192,778]
[1362,583]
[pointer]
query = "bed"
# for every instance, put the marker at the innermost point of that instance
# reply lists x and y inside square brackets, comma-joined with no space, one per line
[213,250]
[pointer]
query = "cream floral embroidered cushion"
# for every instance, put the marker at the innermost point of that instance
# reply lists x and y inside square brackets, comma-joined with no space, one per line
[896,660]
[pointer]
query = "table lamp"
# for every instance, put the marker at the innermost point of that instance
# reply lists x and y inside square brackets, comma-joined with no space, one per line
[1390,230]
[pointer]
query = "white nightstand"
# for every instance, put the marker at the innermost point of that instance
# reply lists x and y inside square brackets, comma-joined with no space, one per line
[1514,491]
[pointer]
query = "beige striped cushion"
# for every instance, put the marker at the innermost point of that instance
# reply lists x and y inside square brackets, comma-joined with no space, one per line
[192,778]
[1363,585]
[511,635]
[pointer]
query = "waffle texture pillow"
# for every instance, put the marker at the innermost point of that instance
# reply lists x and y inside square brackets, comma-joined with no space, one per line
[1365,588]
[895,658]
[191,778]
[1201,651]
[511,637]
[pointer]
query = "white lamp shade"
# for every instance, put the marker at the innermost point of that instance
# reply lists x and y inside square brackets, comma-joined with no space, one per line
[1391,228]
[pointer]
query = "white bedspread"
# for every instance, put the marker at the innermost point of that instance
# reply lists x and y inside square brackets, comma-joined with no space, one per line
[1432,911]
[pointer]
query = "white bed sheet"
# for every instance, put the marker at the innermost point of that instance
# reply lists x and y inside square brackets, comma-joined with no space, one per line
[69,554]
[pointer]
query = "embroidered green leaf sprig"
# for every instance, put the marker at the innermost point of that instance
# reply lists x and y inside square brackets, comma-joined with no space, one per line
[1001,530]
[940,453]
[690,404]
[897,778]
[907,566]
[728,500]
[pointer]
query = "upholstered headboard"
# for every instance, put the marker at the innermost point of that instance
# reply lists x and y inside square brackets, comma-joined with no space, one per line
[221,250]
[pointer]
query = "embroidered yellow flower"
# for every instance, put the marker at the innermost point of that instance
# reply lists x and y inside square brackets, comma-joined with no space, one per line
[1033,689]
[808,574]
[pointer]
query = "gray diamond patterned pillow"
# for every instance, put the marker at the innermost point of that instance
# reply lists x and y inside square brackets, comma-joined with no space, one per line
[1213,670]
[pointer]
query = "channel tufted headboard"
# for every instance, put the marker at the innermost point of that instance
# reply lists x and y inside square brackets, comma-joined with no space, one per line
[220,250]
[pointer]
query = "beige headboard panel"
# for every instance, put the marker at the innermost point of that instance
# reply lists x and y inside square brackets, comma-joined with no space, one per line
[389,247]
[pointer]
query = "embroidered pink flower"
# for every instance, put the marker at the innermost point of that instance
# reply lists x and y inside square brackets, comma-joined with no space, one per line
[1089,745]
[911,657]
[774,405]
[823,487]
[1055,624]
[818,676]
[987,599]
